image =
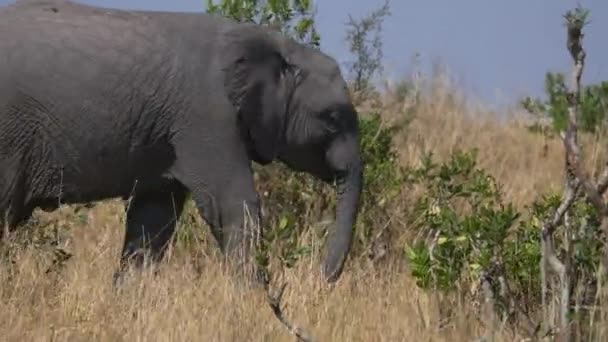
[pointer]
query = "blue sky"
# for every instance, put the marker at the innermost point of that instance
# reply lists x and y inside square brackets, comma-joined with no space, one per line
[498,50]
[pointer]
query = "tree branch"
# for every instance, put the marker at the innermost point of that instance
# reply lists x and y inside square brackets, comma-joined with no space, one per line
[594,193]
[275,304]
[575,23]
[274,301]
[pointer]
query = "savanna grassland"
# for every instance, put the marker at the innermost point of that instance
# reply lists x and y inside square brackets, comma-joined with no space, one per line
[193,299]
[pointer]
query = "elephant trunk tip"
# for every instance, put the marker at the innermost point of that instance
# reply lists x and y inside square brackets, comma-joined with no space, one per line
[333,269]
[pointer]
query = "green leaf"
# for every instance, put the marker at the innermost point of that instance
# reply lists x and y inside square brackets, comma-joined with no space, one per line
[461,238]
[283,223]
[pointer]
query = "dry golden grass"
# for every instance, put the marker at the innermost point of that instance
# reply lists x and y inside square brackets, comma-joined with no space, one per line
[193,300]
[525,163]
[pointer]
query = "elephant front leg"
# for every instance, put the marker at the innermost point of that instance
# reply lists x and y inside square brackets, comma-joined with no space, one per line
[241,232]
[151,221]
[219,175]
[234,216]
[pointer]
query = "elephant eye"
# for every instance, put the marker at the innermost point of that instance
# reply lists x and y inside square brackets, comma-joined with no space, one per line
[329,115]
[331,118]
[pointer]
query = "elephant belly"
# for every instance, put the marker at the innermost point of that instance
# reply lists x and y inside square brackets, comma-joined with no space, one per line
[97,172]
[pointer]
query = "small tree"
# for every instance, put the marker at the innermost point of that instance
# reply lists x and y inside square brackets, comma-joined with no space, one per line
[367,50]
[292,17]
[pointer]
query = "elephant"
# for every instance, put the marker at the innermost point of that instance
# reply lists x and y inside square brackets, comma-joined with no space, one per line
[152,107]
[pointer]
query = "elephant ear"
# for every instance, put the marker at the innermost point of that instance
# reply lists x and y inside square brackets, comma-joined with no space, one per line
[258,81]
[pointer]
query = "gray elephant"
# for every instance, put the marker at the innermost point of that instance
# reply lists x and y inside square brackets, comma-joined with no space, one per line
[99,103]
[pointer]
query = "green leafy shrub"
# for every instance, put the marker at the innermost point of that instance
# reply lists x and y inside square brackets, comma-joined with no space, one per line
[383,176]
[467,233]
[583,244]
[292,17]
[462,218]
[594,105]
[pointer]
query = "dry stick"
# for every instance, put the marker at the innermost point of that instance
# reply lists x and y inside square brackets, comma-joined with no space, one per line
[61,256]
[572,161]
[488,305]
[594,193]
[572,96]
[551,259]
[274,301]
[275,304]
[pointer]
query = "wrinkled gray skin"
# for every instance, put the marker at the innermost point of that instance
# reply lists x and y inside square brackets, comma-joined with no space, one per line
[102,103]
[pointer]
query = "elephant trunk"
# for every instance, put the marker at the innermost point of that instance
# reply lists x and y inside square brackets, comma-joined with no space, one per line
[349,187]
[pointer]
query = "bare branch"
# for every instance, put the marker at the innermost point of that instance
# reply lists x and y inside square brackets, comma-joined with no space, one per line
[594,193]
[274,301]
[549,257]
[567,201]
[488,307]
[275,304]
[575,23]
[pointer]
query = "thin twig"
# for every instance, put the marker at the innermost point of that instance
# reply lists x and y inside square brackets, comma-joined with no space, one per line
[275,304]
[489,305]
[252,221]
[61,256]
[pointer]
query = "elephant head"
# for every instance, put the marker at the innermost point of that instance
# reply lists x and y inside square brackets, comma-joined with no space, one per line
[294,106]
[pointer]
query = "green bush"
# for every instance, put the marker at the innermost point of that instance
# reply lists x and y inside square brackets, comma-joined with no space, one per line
[467,231]
[462,218]
[292,17]
[594,105]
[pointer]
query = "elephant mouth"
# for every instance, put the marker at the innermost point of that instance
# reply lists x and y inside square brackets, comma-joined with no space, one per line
[301,159]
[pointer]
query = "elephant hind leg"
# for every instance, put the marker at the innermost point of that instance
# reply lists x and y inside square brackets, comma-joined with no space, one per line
[14,210]
[14,214]
[150,224]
